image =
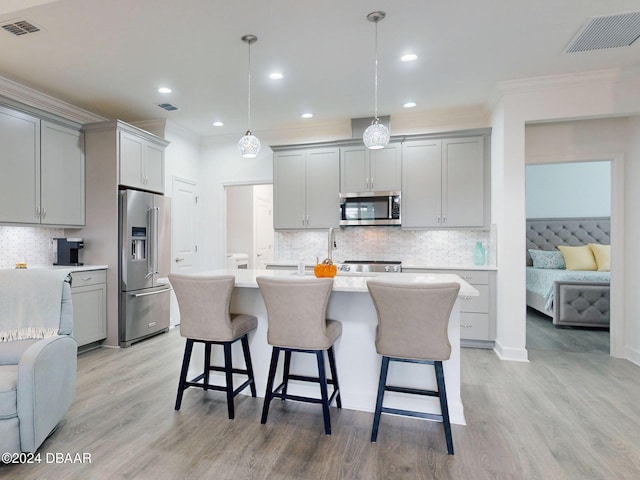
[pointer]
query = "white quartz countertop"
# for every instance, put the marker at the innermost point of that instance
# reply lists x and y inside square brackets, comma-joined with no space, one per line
[408,266]
[71,268]
[347,282]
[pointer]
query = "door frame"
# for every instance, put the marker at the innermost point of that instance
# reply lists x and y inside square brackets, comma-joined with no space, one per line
[617,315]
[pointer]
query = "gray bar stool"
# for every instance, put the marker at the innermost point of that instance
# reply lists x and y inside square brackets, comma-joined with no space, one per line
[205,318]
[296,312]
[413,322]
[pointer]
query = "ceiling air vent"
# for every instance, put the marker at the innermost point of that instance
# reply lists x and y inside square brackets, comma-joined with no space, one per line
[20,27]
[168,107]
[609,31]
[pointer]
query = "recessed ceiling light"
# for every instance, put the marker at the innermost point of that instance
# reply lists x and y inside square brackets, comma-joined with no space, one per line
[409,57]
[164,90]
[276,76]
[307,115]
[409,105]
[218,124]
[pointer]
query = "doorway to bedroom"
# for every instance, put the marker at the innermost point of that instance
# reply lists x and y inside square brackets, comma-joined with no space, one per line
[568,204]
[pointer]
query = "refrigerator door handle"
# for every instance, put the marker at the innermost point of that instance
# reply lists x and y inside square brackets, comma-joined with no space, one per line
[157,292]
[152,257]
[156,239]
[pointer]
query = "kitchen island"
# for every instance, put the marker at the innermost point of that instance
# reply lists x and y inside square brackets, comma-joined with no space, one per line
[357,361]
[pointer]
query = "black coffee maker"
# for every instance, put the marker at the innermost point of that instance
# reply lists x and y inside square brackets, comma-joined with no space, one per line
[69,251]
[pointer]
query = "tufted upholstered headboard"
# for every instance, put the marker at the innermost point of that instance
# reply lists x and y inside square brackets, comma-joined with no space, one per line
[548,233]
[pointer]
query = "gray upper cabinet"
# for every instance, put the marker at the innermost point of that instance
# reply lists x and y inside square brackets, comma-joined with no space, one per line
[444,183]
[43,164]
[141,163]
[421,183]
[62,183]
[364,170]
[306,183]
[20,162]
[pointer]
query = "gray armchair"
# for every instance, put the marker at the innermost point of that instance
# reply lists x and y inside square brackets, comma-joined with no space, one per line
[38,356]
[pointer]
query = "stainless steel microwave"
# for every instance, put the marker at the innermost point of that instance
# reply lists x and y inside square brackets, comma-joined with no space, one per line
[370,208]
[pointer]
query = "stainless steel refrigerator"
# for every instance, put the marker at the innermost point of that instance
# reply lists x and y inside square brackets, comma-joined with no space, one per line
[145,249]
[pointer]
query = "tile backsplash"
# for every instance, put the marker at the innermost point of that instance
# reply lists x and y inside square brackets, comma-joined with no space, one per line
[446,248]
[33,245]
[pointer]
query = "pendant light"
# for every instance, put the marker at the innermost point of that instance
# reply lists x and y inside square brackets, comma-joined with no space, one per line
[376,135]
[249,145]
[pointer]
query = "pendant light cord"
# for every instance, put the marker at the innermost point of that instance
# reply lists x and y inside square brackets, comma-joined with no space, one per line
[375,81]
[249,92]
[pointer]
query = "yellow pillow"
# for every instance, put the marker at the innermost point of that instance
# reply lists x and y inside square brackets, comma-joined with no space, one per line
[603,256]
[578,258]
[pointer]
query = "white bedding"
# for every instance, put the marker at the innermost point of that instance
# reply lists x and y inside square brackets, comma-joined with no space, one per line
[540,280]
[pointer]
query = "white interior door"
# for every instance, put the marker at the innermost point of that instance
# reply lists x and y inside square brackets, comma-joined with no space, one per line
[184,226]
[263,225]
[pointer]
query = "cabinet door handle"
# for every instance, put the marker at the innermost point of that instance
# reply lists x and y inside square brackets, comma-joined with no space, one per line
[307,220]
[444,219]
[179,259]
[465,298]
[438,219]
[371,184]
[44,212]
[86,279]
[466,326]
[37,212]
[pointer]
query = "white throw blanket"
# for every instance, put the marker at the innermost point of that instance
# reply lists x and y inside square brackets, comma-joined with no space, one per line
[30,303]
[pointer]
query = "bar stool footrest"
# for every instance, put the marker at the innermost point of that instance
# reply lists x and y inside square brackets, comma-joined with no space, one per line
[411,413]
[413,391]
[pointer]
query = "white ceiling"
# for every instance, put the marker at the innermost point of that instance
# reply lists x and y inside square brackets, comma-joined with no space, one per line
[110,56]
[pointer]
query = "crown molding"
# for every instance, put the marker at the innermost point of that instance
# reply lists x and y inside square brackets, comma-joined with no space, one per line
[33,98]
[595,77]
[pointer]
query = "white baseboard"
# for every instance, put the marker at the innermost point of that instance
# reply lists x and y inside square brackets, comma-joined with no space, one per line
[632,354]
[510,353]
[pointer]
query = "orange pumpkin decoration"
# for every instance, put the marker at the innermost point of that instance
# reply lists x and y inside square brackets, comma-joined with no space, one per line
[325,269]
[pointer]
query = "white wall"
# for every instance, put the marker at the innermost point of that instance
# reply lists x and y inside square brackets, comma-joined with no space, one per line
[631,250]
[567,190]
[583,96]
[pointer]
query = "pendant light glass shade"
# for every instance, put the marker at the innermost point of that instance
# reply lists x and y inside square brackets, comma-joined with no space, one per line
[376,135]
[249,145]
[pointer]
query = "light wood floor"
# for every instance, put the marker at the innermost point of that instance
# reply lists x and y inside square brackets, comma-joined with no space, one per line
[565,415]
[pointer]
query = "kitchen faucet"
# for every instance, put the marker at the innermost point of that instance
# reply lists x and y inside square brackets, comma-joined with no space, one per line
[331,243]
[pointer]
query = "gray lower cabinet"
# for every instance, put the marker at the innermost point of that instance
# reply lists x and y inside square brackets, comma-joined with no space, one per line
[43,165]
[89,297]
[477,314]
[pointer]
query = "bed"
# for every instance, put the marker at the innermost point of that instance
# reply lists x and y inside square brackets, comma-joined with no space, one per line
[570,298]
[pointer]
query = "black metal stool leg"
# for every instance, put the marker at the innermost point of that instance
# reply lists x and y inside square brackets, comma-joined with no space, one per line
[285,373]
[247,361]
[188,347]
[268,394]
[442,395]
[322,377]
[384,368]
[207,364]
[228,373]
[334,375]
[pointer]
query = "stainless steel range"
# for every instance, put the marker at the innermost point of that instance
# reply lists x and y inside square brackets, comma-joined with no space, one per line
[370,266]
